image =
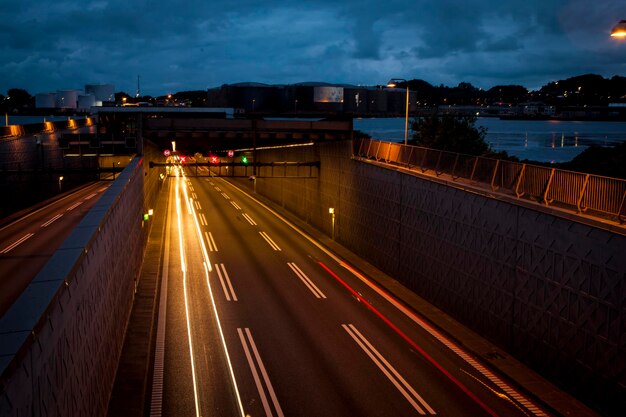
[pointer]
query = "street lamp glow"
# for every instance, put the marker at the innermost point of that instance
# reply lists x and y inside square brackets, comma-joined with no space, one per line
[392,84]
[619,30]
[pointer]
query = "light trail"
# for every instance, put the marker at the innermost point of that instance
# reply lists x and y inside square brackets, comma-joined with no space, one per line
[183,269]
[207,268]
[17,242]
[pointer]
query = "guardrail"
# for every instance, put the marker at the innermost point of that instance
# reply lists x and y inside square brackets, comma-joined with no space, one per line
[583,193]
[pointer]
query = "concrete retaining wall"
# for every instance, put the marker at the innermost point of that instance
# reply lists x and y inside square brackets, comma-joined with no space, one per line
[549,290]
[60,342]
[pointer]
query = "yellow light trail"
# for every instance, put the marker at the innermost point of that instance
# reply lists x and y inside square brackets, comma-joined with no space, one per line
[183,269]
[207,269]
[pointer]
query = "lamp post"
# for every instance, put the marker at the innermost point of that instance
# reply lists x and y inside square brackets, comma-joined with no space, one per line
[619,30]
[392,84]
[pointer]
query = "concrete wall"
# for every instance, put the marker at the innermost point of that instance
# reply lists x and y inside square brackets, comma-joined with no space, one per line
[61,340]
[549,290]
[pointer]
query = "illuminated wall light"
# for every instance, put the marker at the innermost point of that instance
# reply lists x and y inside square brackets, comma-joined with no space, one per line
[48,127]
[150,212]
[16,130]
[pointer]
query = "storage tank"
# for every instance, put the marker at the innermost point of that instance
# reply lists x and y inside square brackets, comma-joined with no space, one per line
[45,100]
[101,92]
[86,101]
[67,99]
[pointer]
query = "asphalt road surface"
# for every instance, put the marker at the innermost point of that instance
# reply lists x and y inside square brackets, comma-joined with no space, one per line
[27,243]
[257,319]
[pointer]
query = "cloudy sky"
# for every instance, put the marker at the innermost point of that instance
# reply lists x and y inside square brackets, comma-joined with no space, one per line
[196,44]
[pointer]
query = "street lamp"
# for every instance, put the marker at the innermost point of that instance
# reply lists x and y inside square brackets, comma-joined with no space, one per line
[392,84]
[619,30]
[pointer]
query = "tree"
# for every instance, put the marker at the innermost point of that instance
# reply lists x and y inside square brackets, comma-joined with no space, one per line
[450,133]
[17,99]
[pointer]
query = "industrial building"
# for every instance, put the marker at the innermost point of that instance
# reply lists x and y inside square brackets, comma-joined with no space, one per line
[311,99]
[94,95]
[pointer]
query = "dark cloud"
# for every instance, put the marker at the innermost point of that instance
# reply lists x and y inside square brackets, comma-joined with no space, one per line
[198,44]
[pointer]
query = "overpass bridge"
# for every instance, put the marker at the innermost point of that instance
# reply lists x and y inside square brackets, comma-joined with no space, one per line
[539,277]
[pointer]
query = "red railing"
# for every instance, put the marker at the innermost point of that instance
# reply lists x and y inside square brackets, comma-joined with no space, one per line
[593,194]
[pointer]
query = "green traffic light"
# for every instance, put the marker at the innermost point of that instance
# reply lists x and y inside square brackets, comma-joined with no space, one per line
[244,160]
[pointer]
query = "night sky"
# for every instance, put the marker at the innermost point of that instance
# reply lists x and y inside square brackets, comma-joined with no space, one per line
[197,44]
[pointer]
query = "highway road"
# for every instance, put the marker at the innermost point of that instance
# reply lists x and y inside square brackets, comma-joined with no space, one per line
[258,319]
[27,243]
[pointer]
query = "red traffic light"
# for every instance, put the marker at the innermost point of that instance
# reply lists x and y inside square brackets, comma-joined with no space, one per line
[214,159]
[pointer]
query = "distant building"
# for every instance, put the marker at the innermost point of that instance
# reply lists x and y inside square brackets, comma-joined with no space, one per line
[101,92]
[45,100]
[311,98]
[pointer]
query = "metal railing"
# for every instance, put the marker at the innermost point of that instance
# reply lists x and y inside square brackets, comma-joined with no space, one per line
[593,194]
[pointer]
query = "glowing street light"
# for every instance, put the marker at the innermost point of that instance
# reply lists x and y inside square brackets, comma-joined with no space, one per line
[619,30]
[392,84]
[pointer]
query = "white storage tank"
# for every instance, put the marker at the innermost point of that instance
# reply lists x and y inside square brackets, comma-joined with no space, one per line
[67,99]
[101,92]
[86,101]
[45,100]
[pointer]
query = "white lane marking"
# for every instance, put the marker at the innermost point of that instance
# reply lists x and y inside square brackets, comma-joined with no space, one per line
[194,195]
[72,207]
[203,220]
[269,241]
[198,206]
[488,374]
[235,205]
[225,196]
[306,280]
[17,242]
[102,189]
[210,242]
[90,196]
[249,219]
[52,220]
[248,345]
[450,345]
[227,286]
[390,372]
[156,402]
[217,188]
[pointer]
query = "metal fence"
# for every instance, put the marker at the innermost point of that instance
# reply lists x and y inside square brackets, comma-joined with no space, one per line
[593,194]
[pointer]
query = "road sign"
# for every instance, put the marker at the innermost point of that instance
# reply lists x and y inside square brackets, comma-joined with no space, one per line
[166,152]
[231,154]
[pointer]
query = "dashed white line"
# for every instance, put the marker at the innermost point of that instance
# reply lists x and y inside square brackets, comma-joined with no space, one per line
[227,285]
[306,280]
[270,241]
[235,205]
[52,220]
[72,207]
[210,242]
[203,220]
[17,243]
[250,349]
[390,372]
[249,219]
[90,196]
[225,196]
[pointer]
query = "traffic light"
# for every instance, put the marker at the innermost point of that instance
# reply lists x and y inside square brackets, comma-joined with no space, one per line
[214,159]
[244,160]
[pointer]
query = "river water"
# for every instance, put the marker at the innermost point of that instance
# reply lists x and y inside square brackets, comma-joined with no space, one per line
[536,140]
